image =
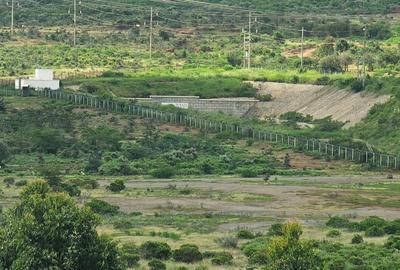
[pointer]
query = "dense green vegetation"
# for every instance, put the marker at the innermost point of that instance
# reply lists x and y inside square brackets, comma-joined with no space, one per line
[143,87]
[36,234]
[381,126]
[95,142]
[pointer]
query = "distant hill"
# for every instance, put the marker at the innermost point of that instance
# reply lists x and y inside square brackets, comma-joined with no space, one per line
[59,12]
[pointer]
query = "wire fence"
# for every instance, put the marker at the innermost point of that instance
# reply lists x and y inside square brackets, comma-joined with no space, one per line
[314,146]
[9,92]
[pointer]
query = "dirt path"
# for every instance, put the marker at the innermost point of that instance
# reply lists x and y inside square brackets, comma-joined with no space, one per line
[318,101]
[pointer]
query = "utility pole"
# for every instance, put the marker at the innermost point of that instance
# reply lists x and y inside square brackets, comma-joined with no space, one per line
[12,17]
[302,47]
[247,45]
[244,48]
[12,7]
[151,32]
[249,63]
[364,70]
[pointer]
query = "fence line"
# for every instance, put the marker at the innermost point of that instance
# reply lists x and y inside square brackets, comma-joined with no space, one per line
[299,143]
[9,92]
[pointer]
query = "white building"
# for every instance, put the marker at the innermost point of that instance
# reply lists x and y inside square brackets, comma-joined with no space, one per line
[44,79]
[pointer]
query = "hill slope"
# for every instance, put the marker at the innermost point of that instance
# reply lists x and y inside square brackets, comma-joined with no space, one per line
[317,101]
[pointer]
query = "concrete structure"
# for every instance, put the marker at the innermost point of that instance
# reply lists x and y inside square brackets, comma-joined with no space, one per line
[232,106]
[43,79]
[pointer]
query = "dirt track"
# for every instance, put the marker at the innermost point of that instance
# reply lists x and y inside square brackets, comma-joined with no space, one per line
[318,101]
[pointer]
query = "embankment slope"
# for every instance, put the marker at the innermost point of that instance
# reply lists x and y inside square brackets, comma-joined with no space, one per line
[318,101]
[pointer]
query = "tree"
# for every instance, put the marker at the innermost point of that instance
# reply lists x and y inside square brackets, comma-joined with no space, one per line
[151,134]
[286,161]
[327,48]
[47,230]
[342,45]
[290,252]
[94,161]
[379,30]
[165,35]
[155,250]
[188,254]
[5,153]
[130,254]
[2,105]
[52,175]
[279,38]
[345,60]
[102,208]
[103,138]
[48,140]
[116,186]
[234,60]
[330,64]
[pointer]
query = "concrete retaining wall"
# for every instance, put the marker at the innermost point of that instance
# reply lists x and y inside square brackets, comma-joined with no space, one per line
[232,106]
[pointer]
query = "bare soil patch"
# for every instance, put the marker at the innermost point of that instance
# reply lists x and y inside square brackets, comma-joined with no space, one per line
[318,101]
[312,205]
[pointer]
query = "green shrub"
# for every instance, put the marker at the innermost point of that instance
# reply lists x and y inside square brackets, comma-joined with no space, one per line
[248,173]
[90,184]
[21,183]
[222,258]
[245,234]
[157,265]
[259,257]
[116,186]
[70,188]
[392,227]
[374,231]
[325,80]
[338,222]
[264,97]
[209,254]
[275,230]
[356,260]
[357,239]
[250,248]
[357,86]
[334,234]
[393,242]
[130,254]
[327,124]
[155,250]
[163,172]
[187,254]
[102,207]
[185,191]
[9,181]
[372,222]
[122,224]
[296,117]
[336,264]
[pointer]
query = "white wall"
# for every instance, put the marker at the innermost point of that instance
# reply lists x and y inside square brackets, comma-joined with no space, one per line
[38,84]
[44,74]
